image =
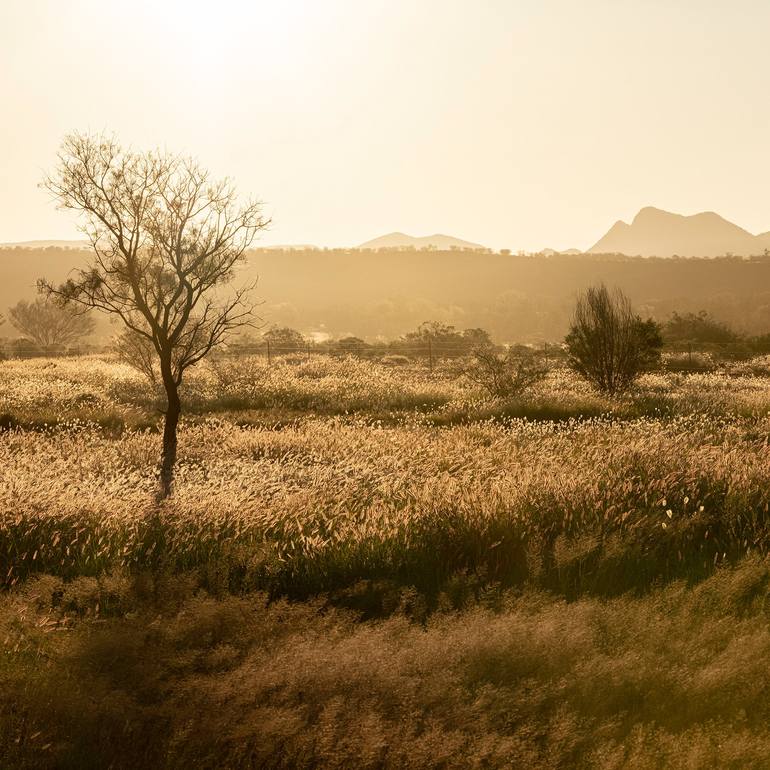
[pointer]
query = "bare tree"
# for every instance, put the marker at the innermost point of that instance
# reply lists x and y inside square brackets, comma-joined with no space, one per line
[166,240]
[608,343]
[139,353]
[50,324]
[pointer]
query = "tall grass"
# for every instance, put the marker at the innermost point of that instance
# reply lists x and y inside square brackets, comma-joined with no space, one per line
[38,392]
[96,675]
[597,505]
[564,581]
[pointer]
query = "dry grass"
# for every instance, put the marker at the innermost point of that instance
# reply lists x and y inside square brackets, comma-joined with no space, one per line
[597,505]
[498,592]
[39,392]
[95,676]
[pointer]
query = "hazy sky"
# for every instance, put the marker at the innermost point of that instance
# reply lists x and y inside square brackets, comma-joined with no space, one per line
[514,123]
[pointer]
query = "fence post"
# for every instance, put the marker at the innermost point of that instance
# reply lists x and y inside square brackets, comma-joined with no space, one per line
[430,353]
[269,359]
[689,353]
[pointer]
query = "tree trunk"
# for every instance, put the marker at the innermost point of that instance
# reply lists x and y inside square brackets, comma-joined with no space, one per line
[168,457]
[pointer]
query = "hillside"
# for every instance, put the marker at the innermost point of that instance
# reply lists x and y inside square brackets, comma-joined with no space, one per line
[403,241]
[658,233]
[45,245]
[517,298]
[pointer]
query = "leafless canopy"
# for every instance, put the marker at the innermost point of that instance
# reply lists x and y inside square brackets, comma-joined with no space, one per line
[165,239]
[138,352]
[49,324]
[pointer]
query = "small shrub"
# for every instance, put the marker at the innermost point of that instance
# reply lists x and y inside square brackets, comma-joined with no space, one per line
[506,376]
[700,328]
[395,360]
[689,362]
[135,391]
[238,375]
[138,352]
[608,344]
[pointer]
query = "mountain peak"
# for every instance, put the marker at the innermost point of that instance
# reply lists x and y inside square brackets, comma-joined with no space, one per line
[654,232]
[397,240]
[651,213]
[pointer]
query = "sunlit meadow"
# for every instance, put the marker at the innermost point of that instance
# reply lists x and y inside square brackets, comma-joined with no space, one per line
[342,526]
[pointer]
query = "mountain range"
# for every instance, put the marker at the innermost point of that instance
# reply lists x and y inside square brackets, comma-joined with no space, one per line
[652,233]
[403,241]
[657,233]
[46,245]
[390,241]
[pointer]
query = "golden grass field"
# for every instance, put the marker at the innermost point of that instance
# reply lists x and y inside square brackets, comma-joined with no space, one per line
[374,566]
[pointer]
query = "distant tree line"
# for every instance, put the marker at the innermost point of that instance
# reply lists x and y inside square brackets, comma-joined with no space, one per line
[515,298]
[443,340]
[46,327]
[608,343]
[699,329]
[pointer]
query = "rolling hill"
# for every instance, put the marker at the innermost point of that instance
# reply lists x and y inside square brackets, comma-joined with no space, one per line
[403,241]
[375,294]
[45,245]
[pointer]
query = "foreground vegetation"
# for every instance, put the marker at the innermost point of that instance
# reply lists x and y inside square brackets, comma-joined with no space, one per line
[374,566]
[39,392]
[101,674]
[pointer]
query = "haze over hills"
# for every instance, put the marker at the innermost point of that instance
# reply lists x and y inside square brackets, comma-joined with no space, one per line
[45,245]
[404,241]
[652,233]
[657,233]
[286,246]
[381,295]
[555,252]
